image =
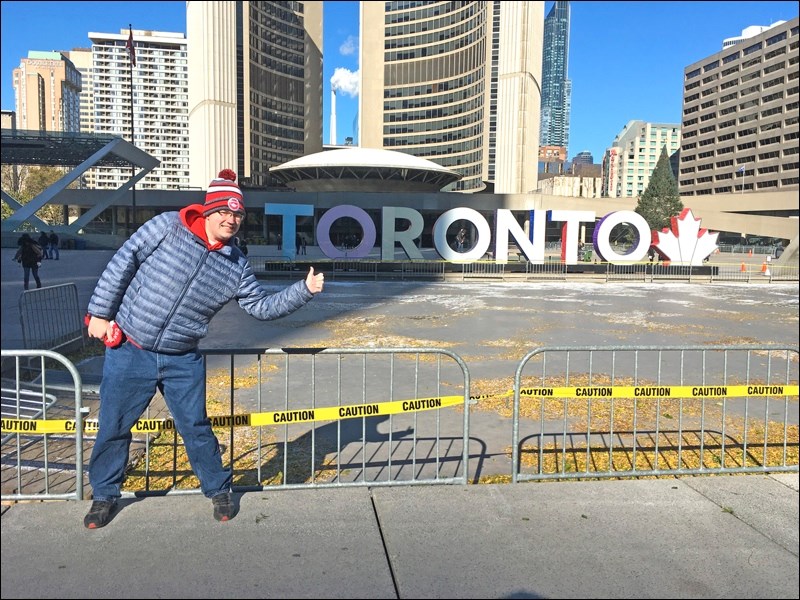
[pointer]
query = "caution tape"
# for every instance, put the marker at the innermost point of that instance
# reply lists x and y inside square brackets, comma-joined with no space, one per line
[661,391]
[280,417]
[336,413]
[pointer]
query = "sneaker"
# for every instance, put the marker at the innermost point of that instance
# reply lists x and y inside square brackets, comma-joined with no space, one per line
[223,506]
[100,514]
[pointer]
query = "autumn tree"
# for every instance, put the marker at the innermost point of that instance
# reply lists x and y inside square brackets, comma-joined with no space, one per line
[23,183]
[661,200]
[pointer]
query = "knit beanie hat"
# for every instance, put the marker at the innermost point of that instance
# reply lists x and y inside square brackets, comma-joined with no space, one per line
[223,194]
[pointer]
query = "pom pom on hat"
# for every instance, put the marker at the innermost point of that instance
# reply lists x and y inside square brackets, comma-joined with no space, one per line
[224,194]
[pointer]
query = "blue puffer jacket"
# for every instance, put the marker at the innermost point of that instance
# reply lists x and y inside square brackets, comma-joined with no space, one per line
[164,285]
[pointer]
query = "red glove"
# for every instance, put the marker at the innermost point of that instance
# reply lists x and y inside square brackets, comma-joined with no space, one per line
[116,333]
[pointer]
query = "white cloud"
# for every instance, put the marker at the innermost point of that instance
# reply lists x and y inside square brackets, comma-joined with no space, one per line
[349,46]
[344,80]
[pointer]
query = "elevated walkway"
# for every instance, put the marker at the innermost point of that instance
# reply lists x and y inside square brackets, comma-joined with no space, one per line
[81,150]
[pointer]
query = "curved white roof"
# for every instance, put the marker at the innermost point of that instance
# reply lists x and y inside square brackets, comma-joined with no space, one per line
[362,157]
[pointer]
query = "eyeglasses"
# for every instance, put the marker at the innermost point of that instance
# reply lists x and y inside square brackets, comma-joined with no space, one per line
[227,214]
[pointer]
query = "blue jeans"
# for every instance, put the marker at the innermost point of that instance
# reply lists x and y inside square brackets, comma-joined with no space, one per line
[131,376]
[26,273]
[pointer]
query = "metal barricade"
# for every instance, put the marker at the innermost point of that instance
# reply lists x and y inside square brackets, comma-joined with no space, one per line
[36,464]
[626,272]
[414,269]
[546,270]
[315,418]
[325,418]
[483,270]
[354,268]
[733,272]
[615,411]
[51,318]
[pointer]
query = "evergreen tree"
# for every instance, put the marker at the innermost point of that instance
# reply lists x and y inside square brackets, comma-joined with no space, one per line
[661,200]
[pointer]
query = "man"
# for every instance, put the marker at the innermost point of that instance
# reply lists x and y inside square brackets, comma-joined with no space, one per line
[461,237]
[53,245]
[44,243]
[160,291]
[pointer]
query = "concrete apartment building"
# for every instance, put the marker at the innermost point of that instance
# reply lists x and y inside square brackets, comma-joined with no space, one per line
[455,83]
[740,116]
[82,59]
[631,159]
[255,94]
[160,103]
[47,89]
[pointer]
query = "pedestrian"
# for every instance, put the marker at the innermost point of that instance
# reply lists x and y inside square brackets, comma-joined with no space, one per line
[242,244]
[53,245]
[44,242]
[461,237]
[29,255]
[280,242]
[298,242]
[159,292]
[303,246]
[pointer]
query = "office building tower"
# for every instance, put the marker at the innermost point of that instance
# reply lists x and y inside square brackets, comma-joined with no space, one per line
[747,33]
[740,117]
[456,83]
[255,97]
[556,87]
[154,109]
[47,89]
[583,158]
[629,163]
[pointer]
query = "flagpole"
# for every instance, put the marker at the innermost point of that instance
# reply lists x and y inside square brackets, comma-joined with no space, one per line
[133,167]
[743,172]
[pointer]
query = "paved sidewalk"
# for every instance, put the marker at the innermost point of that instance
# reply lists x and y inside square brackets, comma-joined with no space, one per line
[695,537]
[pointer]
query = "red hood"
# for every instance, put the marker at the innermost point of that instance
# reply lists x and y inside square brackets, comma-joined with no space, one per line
[192,217]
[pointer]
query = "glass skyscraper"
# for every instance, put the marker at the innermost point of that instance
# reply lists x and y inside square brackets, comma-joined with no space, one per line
[556,88]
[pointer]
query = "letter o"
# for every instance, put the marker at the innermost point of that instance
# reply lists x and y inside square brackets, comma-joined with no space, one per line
[336,213]
[603,231]
[451,216]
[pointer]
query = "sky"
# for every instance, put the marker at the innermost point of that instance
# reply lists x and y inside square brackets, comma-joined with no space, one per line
[626,59]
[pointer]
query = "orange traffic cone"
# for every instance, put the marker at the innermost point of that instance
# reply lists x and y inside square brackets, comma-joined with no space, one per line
[764,269]
[744,267]
[750,252]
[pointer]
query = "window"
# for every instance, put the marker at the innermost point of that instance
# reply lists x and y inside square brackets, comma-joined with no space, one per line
[776,38]
[773,68]
[730,58]
[751,49]
[772,97]
[751,76]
